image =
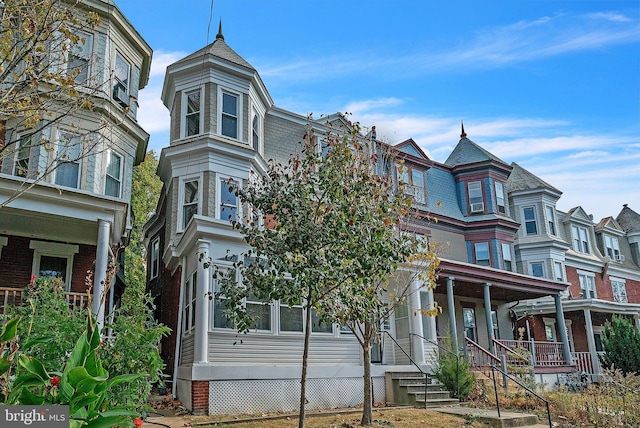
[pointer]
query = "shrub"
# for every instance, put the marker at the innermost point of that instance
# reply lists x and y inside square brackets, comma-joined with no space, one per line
[621,342]
[454,372]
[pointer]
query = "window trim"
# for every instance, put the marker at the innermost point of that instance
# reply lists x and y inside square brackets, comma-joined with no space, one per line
[577,243]
[550,213]
[506,245]
[622,283]
[475,253]
[189,304]
[80,50]
[238,117]
[184,128]
[61,133]
[219,202]
[107,175]
[536,262]
[180,227]
[53,249]
[504,204]
[471,204]
[614,254]
[154,262]
[474,327]
[534,221]
[256,131]
[118,83]
[20,141]
[583,291]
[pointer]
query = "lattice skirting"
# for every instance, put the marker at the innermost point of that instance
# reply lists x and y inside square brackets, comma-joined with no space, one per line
[273,395]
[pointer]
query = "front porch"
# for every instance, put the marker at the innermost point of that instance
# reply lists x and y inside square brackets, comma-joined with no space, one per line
[10,297]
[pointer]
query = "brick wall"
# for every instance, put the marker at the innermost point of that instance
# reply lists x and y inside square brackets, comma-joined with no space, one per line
[16,262]
[83,262]
[200,397]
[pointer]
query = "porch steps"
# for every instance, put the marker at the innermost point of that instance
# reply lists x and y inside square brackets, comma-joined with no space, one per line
[408,388]
[491,418]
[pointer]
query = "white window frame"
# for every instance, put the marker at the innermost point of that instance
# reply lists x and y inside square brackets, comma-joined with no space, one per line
[550,327]
[475,250]
[155,258]
[542,267]
[580,239]
[477,199]
[53,249]
[80,50]
[20,142]
[183,180]
[558,271]
[474,326]
[534,221]
[587,282]
[109,153]
[184,129]
[612,248]
[62,136]
[118,83]
[189,306]
[551,220]
[221,181]
[619,290]
[506,256]
[500,195]
[221,92]
[256,131]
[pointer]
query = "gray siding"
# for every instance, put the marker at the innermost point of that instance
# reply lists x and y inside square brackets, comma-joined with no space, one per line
[281,138]
[186,351]
[175,117]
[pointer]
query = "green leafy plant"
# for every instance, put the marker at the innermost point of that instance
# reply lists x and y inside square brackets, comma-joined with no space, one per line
[454,372]
[83,384]
[621,342]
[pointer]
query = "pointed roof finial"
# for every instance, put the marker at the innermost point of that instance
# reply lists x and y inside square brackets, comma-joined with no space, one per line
[219,35]
[463,134]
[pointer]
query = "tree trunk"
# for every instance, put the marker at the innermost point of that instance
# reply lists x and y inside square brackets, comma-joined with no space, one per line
[366,354]
[303,376]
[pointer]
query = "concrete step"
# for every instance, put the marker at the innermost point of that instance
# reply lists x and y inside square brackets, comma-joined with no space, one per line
[407,382]
[434,403]
[491,418]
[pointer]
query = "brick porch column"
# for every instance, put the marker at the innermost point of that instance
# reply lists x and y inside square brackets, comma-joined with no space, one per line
[200,397]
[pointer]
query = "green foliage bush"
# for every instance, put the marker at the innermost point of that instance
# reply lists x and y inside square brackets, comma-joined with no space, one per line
[621,343]
[454,372]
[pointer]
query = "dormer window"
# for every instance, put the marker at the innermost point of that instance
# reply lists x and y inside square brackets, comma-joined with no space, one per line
[580,239]
[412,181]
[229,115]
[613,248]
[476,201]
[500,199]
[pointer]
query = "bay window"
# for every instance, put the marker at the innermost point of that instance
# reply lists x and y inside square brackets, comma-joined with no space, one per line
[476,200]
[530,226]
[192,110]
[113,175]
[189,197]
[482,253]
[500,198]
[68,156]
[229,115]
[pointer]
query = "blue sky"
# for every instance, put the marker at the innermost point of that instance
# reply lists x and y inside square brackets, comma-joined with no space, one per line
[551,85]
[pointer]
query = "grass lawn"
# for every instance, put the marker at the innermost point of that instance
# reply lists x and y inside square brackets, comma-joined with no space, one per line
[383,417]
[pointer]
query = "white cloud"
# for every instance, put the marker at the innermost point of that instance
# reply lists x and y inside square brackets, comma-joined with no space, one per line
[610,16]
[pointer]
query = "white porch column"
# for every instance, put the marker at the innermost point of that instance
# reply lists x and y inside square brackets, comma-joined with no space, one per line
[487,315]
[417,343]
[452,312]
[591,342]
[433,334]
[100,274]
[637,319]
[201,336]
[562,329]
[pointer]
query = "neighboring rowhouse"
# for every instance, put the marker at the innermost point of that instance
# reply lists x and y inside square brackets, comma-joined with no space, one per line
[599,260]
[225,125]
[77,215]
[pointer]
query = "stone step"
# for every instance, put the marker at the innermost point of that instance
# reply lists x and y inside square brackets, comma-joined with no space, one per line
[491,418]
[436,402]
[431,395]
[406,382]
[419,389]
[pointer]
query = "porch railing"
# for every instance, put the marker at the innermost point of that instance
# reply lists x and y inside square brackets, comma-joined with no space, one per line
[480,358]
[17,296]
[545,354]
[585,363]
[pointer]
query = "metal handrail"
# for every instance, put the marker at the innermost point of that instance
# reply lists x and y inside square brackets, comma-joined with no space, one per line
[546,402]
[426,375]
[455,354]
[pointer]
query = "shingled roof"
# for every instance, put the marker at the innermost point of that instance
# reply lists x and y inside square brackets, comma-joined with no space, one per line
[521,179]
[467,152]
[220,49]
[629,220]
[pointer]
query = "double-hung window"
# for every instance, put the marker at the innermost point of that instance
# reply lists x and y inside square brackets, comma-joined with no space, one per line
[192,115]
[23,154]
[482,253]
[113,175]
[558,271]
[476,201]
[189,310]
[228,207]
[469,317]
[121,79]
[506,256]
[79,56]
[551,220]
[619,289]
[580,239]
[291,318]
[190,199]
[530,226]
[260,311]
[613,247]
[587,285]
[255,132]
[500,199]
[67,170]
[229,115]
